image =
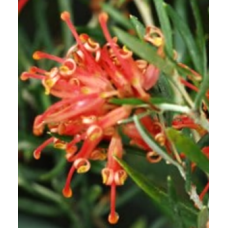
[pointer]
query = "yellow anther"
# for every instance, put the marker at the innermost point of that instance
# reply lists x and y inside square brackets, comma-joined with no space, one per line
[158,41]
[63,69]
[83,169]
[60,145]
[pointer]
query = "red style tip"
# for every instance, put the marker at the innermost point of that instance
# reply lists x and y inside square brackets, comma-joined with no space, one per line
[103,17]
[67,192]
[113,218]
[24,76]
[33,69]
[65,16]
[36,154]
[37,55]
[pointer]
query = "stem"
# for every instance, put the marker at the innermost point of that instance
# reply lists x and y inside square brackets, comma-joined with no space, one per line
[200,119]
[175,108]
[195,197]
[180,87]
[176,154]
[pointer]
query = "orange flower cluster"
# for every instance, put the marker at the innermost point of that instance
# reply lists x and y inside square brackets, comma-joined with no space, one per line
[86,78]
[84,81]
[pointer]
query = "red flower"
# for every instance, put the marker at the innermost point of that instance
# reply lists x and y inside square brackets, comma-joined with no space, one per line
[87,76]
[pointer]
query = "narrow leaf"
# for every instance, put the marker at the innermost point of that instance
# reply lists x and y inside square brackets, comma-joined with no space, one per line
[135,101]
[173,203]
[40,12]
[25,221]
[158,195]
[145,184]
[188,182]
[138,26]
[165,25]
[200,33]
[130,101]
[202,92]
[180,7]
[144,50]
[27,205]
[55,171]
[187,36]
[66,33]
[189,148]
[203,218]
[117,15]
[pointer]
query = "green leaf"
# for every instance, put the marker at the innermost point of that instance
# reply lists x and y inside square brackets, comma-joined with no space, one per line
[135,101]
[144,50]
[203,218]
[56,170]
[200,34]
[160,100]
[138,26]
[146,185]
[38,208]
[173,199]
[66,33]
[23,60]
[29,173]
[201,40]
[140,223]
[25,221]
[188,182]
[158,195]
[180,7]
[124,101]
[202,92]
[38,190]
[189,148]
[116,15]
[163,88]
[40,13]
[165,26]
[187,36]
[161,222]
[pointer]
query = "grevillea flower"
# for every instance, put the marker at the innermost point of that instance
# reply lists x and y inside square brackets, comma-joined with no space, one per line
[84,80]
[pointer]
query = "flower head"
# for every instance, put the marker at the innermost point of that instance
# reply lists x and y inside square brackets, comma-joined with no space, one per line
[84,80]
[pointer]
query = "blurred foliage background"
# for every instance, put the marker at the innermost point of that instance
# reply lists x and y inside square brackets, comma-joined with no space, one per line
[40,199]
